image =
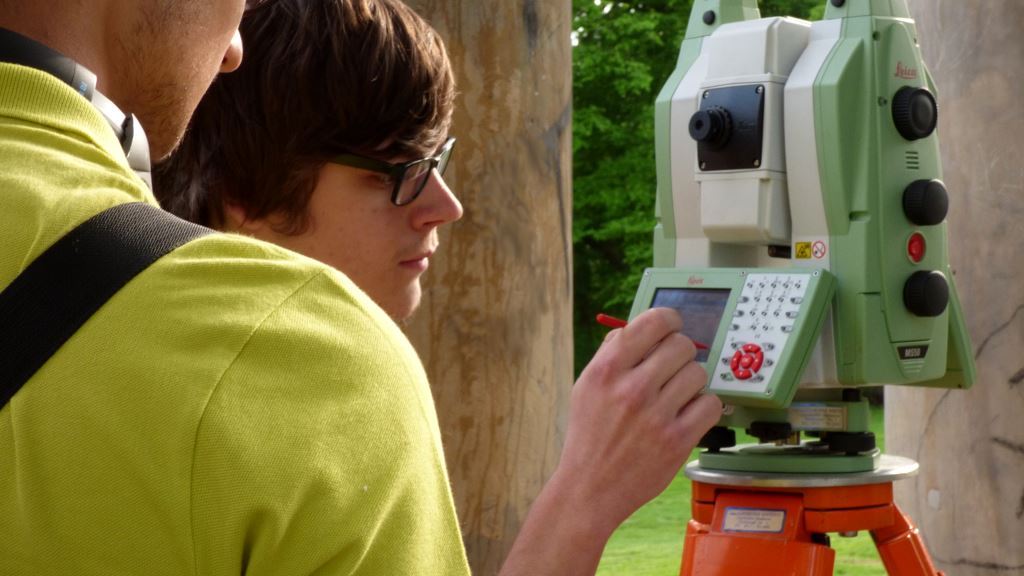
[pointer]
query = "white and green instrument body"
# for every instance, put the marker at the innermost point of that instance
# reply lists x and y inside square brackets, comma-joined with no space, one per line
[795,150]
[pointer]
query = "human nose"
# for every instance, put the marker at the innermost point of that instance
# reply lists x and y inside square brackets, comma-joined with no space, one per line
[233,55]
[439,205]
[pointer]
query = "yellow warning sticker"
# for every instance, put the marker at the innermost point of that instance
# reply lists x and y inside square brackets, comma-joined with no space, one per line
[803,251]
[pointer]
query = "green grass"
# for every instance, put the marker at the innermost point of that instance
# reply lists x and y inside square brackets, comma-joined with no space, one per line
[650,542]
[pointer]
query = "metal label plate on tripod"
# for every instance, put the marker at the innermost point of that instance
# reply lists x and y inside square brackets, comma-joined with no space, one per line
[754,520]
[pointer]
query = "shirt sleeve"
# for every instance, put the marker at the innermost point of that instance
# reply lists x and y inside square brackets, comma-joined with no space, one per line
[319,450]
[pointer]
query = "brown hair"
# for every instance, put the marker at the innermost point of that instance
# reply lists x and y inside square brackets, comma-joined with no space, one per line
[318,78]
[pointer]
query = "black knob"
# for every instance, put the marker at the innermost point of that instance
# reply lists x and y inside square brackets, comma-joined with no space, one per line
[926,294]
[850,442]
[926,202]
[712,126]
[838,3]
[709,17]
[915,112]
[717,438]
[770,431]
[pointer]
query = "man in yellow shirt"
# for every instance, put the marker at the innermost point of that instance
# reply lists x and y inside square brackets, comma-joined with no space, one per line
[238,408]
[234,409]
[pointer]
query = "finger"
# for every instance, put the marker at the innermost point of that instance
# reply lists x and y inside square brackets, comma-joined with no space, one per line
[646,330]
[683,387]
[611,335]
[666,359]
[697,417]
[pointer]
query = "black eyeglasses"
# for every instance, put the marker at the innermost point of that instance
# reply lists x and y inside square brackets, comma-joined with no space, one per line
[409,178]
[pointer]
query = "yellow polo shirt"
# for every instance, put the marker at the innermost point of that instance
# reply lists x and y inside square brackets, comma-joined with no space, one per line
[235,409]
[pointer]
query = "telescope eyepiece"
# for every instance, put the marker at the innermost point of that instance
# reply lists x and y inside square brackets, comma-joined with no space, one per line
[711,127]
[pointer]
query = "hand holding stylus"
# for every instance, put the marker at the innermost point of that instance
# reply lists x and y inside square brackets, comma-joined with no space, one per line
[613,322]
[635,414]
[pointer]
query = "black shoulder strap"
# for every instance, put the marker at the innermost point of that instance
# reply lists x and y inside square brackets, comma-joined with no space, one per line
[63,287]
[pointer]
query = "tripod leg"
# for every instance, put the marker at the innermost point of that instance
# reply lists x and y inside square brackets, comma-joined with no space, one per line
[902,549]
[694,529]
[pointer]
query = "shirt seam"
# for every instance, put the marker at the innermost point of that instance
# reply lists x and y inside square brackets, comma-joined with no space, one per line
[213,391]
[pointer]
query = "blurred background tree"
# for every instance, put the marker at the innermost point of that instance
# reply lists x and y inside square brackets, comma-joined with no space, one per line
[622,54]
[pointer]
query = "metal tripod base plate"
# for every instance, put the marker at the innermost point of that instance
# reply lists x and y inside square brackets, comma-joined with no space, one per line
[888,468]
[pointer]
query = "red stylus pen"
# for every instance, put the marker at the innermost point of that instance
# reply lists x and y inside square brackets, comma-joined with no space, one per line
[613,322]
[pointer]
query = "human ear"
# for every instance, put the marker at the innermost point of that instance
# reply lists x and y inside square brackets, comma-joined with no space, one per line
[233,55]
[237,220]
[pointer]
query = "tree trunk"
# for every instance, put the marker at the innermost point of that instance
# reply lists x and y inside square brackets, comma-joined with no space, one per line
[968,499]
[495,327]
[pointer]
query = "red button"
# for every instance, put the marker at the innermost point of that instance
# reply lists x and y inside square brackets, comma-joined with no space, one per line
[746,361]
[752,348]
[735,364]
[916,248]
[744,374]
[758,360]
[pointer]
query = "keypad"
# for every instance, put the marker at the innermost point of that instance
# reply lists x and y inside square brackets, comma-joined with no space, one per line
[766,313]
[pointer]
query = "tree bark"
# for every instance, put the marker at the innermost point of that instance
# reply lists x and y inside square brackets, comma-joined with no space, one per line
[968,499]
[495,327]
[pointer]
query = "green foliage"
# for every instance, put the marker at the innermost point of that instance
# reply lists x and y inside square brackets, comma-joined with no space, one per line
[624,52]
[806,9]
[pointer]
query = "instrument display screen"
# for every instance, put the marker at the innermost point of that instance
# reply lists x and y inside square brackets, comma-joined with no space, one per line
[701,309]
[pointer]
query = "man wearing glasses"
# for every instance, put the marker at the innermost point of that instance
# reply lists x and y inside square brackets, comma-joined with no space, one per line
[331,140]
[347,171]
[360,217]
